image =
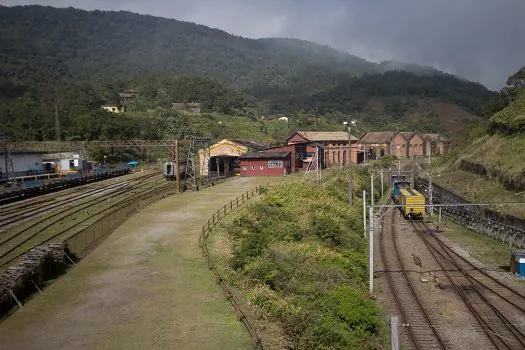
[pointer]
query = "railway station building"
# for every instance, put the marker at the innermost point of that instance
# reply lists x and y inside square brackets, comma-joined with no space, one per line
[224,156]
[280,160]
[335,145]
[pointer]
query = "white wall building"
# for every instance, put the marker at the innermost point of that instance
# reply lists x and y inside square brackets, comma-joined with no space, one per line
[23,162]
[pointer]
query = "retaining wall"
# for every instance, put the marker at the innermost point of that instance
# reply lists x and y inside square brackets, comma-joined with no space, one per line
[502,227]
[511,183]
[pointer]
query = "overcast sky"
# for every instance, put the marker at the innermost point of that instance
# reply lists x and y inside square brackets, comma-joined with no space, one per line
[481,40]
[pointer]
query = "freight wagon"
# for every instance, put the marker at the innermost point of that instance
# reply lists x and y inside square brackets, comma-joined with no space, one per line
[413,203]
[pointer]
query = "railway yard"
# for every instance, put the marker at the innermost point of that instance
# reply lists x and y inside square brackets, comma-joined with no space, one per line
[445,299]
[63,218]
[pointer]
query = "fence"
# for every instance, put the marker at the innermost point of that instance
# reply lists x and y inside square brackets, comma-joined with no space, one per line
[205,232]
[503,227]
[84,241]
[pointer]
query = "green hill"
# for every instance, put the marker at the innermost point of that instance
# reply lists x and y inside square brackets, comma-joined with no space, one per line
[496,149]
[63,44]
[70,61]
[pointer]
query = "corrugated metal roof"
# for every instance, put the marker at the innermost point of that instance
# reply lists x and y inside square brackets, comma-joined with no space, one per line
[264,155]
[326,135]
[377,137]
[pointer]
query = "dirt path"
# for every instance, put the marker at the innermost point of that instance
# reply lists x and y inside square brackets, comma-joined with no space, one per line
[145,287]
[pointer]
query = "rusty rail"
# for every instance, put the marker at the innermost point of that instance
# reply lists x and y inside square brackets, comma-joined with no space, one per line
[205,232]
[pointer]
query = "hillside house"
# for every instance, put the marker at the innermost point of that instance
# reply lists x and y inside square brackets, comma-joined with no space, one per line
[193,107]
[127,95]
[112,109]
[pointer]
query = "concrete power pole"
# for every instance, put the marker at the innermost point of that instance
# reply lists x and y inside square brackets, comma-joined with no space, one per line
[350,184]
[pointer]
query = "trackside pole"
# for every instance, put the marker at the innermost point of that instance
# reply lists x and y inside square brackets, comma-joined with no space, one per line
[364,214]
[394,335]
[382,183]
[371,250]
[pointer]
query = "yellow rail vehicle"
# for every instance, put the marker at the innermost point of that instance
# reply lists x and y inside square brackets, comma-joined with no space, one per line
[413,203]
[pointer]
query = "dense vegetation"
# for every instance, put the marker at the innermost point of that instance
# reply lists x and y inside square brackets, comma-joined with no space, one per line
[69,62]
[299,257]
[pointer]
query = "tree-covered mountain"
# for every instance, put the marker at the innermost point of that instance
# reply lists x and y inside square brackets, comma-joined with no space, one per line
[51,44]
[67,62]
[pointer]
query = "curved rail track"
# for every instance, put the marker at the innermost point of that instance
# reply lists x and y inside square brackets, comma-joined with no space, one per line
[13,245]
[27,210]
[495,306]
[421,330]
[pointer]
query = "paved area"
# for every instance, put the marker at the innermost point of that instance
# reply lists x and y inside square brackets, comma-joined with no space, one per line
[145,287]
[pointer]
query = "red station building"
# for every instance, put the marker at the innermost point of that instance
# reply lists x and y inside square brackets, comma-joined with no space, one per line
[279,160]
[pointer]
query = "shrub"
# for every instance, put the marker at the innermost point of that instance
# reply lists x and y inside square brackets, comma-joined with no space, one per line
[301,258]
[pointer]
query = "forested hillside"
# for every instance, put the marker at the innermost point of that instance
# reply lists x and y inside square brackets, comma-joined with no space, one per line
[496,147]
[50,44]
[68,62]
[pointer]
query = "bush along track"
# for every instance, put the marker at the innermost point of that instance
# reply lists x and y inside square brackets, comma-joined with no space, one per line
[299,261]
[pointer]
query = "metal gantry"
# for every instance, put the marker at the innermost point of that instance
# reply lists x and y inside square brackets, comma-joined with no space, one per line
[191,172]
[313,171]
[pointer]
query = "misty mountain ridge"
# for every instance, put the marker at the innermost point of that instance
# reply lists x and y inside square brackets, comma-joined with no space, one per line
[79,42]
[43,48]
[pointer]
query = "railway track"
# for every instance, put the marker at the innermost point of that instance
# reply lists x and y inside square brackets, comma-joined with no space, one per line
[52,197]
[55,226]
[14,215]
[422,333]
[496,307]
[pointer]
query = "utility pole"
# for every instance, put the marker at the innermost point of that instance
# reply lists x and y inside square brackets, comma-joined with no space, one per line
[371,188]
[382,183]
[350,184]
[398,161]
[430,186]
[371,252]
[364,214]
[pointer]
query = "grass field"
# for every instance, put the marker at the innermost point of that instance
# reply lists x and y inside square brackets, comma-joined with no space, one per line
[145,287]
[479,189]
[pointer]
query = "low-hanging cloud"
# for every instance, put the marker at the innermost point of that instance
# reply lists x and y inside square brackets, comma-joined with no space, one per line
[481,40]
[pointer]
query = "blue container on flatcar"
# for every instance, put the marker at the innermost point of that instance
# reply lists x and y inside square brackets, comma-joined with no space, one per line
[396,192]
[73,176]
[32,183]
[101,170]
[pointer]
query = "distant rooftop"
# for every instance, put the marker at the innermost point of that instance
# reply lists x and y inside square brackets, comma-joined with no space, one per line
[326,135]
[250,144]
[377,137]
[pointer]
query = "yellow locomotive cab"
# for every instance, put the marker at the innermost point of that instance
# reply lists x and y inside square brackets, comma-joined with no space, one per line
[413,203]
